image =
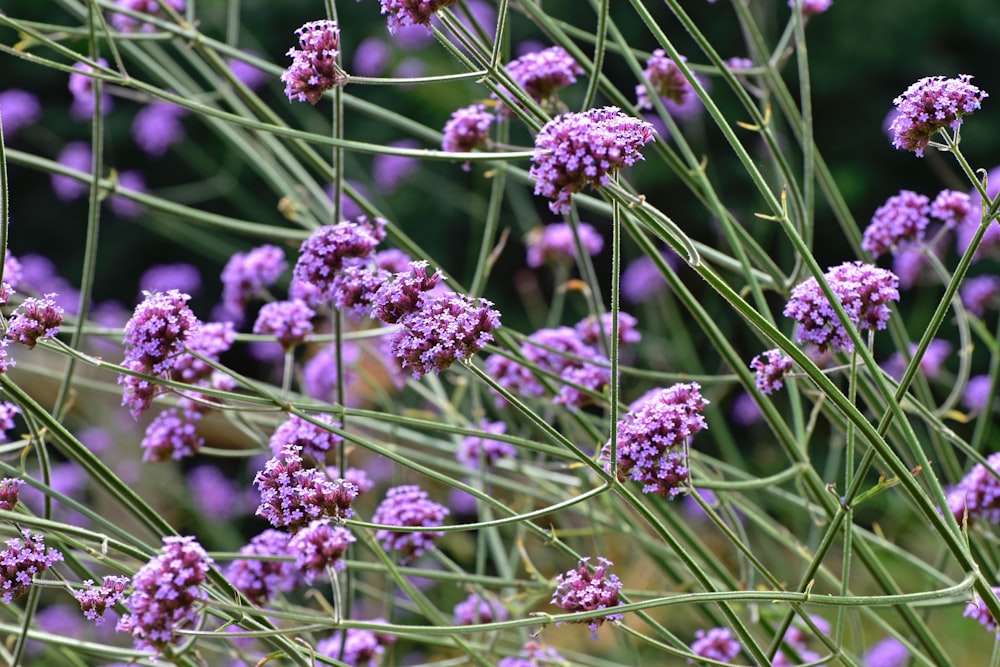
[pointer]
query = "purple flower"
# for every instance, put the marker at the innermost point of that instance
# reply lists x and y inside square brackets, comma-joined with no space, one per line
[371,57]
[468,128]
[930,105]
[990,242]
[590,332]
[582,590]
[665,79]
[475,610]
[94,601]
[248,74]
[166,594]
[737,63]
[290,322]
[888,652]
[21,561]
[34,319]
[172,435]
[771,368]
[446,329]
[642,278]
[215,495]
[122,206]
[555,351]
[408,506]
[208,339]
[902,220]
[977,395]
[403,13]
[404,293]
[319,546]
[257,576]
[18,108]
[555,243]
[157,127]
[7,413]
[811,7]
[314,69]
[162,277]
[541,74]
[354,288]
[977,609]
[311,441]
[952,207]
[125,23]
[9,488]
[475,451]
[716,644]
[980,293]
[911,265]
[534,654]
[319,376]
[361,649]
[864,290]
[978,493]
[355,476]
[81,85]
[389,171]
[578,149]
[156,333]
[291,496]
[653,435]
[323,255]
[930,365]
[745,410]
[247,275]
[75,155]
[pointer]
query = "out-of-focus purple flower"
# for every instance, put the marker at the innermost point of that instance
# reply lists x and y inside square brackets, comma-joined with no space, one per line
[7,413]
[811,7]
[580,590]
[319,375]
[81,85]
[574,150]
[889,652]
[167,594]
[911,265]
[737,63]
[95,600]
[389,171]
[39,276]
[989,246]
[409,68]
[864,290]
[172,435]
[313,441]
[361,649]
[157,127]
[446,329]
[534,654]
[556,351]
[291,496]
[75,155]
[371,57]
[978,493]
[951,207]
[666,81]
[218,497]
[652,438]
[324,254]
[980,293]
[319,546]
[541,74]
[468,128]
[716,644]
[745,410]
[20,561]
[349,209]
[257,576]
[932,104]
[475,451]
[6,361]
[35,319]
[162,277]
[290,322]
[408,506]
[642,279]
[13,271]
[122,206]
[977,609]
[554,243]
[247,275]
[251,77]
[208,339]
[474,610]
[901,221]
[314,69]
[930,365]
[392,260]
[404,293]
[771,367]
[590,332]
[9,489]
[18,109]
[125,23]
[403,13]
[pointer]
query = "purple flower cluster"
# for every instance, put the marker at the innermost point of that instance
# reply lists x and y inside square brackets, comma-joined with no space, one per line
[406,292]
[901,221]
[554,244]
[930,105]
[310,440]
[34,319]
[980,293]
[590,331]
[291,496]
[125,23]
[581,590]
[210,340]
[354,288]
[408,506]
[157,127]
[952,207]
[258,576]
[290,322]
[888,652]
[978,493]
[319,375]
[533,654]
[314,69]
[81,86]
[75,155]
[864,290]
[665,79]
[653,435]
[20,109]
[475,609]
[319,546]
[10,487]
[172,435]
[578,149]
[95,600]
[20,561]
[930,364]
[978,610]
[811,7]
[7,413]
[468,128]
[476,451]
[403,13]
[771,367]
[541,74]
[716,644]
[166,594]
[247,275]
[362,648]
[326,252]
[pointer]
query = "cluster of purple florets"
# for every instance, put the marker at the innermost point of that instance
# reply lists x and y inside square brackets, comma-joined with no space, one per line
[901,221]
[475,451]
[363,648]
[978,610]
[324,255]
[319,546]
[312,440]
[555,243]
[290,322]
[404,293]
[579,149]
[408,506]
[977,495]
[716,644]
[771,367]
[587,588]
[126,23]
[35,319]
[247,276]
[314,69]
[930,105]
[96,600]
[172,434]
[403,13]
[541,74]
[533,654]
[665,80]
[476,609]
[260,575]
[20,561]
[10,487]
[291,495]
[468,128]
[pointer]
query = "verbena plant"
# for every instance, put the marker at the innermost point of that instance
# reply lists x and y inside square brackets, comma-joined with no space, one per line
[401,472]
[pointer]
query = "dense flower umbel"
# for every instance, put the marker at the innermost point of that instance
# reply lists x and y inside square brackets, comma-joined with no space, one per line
[166,594]
[362,648]
[314,69]
[468,128]
[475,609]
[408,506]
[978,493]
[311,440]
[404,293]
[932,104]
[290,322]
[901,220]
[554,244]
[977,609]
[578,149]
[247,275]
[319,546]
[354,288]
[20,109]
[980,293]
[590,332]
[541,74]
[155,334]
[771,367]
[322,257]
[9,488]
[34,319]
[864,290]
[952,207]
[259,580]
[652,438]
[126,23]
[95,600]
[666,80]
[888,652]
[716,644]
[403,13]
[81,85]
[291,496]
[21,561]
[581,589]
[157,127]
[475,451]
[172,435]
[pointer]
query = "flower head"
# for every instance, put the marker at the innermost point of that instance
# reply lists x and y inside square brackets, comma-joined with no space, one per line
[771,368]
[555,243]
[403,13]
[314,69]
[404,293]
[475,609]
[81,86]
[952,207]
[125,23]
[475,451]
[354,287]
[811,7]
[95,600]
[319,546]
[581,589]
[888,652]
[362,648]
[322,257]
[157,127]
[578,149]
[75,155]
[977,609]
[665,79]
[34,319]
[468,128]
[20,561]
[980,293]
[716,644]
[156,333]
[930,105]
[533,654]
[291,496]
[257,576]
[978,493]
[589,328]
[901,221]
[408,506]
[247,275]
[9,488]
[18,108]
[290,322]
[172,435]
[311,440]
[542,73]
